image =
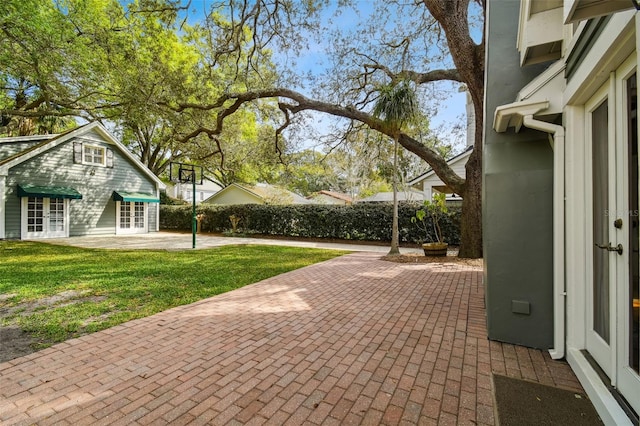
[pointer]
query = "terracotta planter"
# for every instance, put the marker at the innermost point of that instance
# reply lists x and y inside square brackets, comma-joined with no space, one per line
[435,249]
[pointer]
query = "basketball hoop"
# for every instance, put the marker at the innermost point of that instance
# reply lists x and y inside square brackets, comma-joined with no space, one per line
[188,173]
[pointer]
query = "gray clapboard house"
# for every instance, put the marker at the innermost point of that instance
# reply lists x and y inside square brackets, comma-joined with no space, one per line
[81,182]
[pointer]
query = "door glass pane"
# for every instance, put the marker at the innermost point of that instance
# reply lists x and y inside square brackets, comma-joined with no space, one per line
[125,215]
[138,217]
[35,214]
[600,220]
[56,214]
[634,230]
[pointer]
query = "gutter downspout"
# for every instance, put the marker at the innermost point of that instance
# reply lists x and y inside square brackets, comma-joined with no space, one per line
[559,288]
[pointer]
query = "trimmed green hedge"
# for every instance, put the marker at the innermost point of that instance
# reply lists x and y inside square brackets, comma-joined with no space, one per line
[362,221]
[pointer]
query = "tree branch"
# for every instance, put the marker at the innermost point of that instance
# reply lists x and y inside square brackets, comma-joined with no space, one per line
[301,103]
[418,77]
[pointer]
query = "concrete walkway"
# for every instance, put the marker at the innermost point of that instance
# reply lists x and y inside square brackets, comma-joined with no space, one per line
[354,340]
[184,241]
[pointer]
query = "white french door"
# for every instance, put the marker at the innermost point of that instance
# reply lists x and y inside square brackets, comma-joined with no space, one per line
[131,217]
[613,285]
[44,217]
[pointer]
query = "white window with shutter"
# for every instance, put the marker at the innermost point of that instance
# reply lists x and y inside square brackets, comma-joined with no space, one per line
[92,155]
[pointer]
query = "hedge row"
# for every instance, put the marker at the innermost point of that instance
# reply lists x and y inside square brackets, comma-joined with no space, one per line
[363,221]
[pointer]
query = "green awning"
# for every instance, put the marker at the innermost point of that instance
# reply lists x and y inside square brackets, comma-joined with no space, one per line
[134,197]
[48,192]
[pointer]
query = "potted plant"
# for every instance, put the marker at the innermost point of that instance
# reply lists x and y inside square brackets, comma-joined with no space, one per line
[434,210]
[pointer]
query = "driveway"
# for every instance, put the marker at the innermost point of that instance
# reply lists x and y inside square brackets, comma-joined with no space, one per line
[351,340]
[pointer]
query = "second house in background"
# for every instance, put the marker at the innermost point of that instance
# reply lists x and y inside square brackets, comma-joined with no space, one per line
[260,193]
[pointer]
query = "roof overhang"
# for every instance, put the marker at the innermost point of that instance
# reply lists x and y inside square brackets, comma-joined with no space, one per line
[540,31]
[579,10]
[26,190]
[134,197]
[512,115]
[541,97]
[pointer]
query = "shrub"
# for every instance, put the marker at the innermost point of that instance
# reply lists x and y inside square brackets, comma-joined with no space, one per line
[166,199]
[361,221]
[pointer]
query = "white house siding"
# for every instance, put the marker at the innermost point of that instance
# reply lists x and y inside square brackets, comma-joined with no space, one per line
[429,180]
[183,191]
[235,196]
[95,213]
[457,166]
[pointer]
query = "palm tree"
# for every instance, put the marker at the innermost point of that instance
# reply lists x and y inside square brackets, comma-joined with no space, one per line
[396,105]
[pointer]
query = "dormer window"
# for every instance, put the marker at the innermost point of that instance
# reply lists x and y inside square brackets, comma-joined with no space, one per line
[93,155]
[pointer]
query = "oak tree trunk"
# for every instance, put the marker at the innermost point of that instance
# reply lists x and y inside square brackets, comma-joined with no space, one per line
[471,217]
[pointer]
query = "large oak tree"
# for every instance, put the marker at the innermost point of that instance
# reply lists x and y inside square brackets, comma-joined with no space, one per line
[426,42]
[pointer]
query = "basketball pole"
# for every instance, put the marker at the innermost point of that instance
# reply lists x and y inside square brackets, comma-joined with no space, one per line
[194,219]
[187,173]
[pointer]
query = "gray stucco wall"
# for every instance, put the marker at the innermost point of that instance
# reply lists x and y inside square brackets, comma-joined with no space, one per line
[517,199]
[95,213]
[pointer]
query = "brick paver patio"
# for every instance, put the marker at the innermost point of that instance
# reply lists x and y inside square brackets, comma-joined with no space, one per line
[354,340]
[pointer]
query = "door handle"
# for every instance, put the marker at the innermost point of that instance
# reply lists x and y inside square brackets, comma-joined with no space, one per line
[609,247]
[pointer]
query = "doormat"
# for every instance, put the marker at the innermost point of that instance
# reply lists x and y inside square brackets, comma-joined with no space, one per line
[520,402]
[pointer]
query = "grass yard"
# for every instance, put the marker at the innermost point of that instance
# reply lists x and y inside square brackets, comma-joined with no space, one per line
[58,292]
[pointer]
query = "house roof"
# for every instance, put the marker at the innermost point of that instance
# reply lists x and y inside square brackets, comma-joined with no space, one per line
[407,195]
[33,138]
[337,195]
[267,193]
[52,141]
[38,140]
[430,172]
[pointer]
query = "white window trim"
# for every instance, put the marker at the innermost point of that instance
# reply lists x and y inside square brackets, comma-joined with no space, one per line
[92,146]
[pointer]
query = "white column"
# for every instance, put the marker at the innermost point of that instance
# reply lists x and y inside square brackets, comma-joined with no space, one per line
[577,253]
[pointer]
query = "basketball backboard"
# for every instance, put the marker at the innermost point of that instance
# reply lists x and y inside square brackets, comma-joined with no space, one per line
[186,173]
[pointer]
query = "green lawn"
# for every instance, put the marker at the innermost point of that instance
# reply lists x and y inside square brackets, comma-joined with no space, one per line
[57,292]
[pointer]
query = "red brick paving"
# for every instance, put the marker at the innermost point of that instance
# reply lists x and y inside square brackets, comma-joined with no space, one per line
[355,340]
